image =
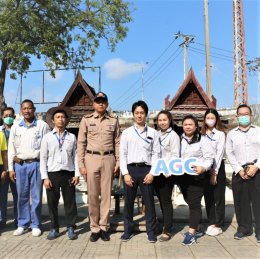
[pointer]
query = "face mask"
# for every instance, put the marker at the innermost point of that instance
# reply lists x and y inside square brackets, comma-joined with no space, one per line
[210,122]
[244,120]
[9,120]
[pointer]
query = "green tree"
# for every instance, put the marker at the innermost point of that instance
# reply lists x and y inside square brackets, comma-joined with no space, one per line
[62,32]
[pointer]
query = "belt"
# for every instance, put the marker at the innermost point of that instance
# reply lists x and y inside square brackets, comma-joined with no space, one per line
[138,164]
[250,163]
[101,153]
[26,161]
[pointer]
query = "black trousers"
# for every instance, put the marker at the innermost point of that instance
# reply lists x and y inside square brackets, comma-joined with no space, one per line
[163,188]
[246,195]
[61,181]
[147,190]
[215,197]
[192,188]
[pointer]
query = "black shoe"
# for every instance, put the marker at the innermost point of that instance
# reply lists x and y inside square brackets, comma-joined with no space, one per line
[125,237]
[104,235]
[94,237]
[240,235]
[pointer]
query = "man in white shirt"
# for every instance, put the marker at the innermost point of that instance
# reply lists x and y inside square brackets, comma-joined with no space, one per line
[24,167]
[59,170]
[243,152]
[139,150]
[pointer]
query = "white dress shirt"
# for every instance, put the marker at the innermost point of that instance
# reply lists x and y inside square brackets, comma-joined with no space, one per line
[138,147]
[25,140]
[217,140]
[201,150]
[58,153]
[169,144]
[243,147]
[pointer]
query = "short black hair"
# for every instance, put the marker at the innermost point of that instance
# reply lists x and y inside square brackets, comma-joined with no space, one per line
[8,109]
[141,104]
[197,135]
[60,111]
[243,105]
[27,101]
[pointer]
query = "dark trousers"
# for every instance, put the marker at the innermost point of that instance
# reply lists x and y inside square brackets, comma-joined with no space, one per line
[163,188]
[246,195]
[147,190]
[192,188]
[215,197]
[61,181]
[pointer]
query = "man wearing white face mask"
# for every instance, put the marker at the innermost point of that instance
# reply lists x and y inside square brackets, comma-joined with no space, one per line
[243,152]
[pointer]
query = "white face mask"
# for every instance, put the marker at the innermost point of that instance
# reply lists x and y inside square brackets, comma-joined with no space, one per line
[210,122]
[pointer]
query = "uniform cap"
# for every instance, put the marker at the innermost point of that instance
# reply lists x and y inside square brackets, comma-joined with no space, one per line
[100,95]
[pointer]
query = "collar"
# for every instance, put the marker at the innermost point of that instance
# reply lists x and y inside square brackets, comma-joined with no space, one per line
[96,115]
[214,130]
[138,129]
[251,126]
[167,131]
[54,131]
[23,124]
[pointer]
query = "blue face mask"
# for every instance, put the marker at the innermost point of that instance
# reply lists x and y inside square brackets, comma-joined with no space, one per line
[244,120]
[8,120]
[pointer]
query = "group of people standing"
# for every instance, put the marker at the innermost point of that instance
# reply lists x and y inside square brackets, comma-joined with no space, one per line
[55,159]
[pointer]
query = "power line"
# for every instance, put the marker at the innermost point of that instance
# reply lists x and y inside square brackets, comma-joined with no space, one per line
[153,77]
[145,72]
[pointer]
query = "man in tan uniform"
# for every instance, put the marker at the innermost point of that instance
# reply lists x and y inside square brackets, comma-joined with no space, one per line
[98,159]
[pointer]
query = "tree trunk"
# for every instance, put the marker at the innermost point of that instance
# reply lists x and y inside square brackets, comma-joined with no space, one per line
[4,66]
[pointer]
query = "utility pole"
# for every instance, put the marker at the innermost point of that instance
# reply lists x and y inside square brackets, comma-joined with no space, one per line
[142,83]
[240,86]
[254,65]
[208,67]
[187,39]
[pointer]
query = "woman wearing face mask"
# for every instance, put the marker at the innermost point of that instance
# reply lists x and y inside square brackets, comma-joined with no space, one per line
[193,144]
[215,184]
[170,148]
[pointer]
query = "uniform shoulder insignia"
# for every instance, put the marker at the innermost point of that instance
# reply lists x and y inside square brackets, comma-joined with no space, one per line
[89,115]
[112,115]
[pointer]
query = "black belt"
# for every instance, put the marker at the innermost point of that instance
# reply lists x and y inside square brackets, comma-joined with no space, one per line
[138,164]
[101,153]
[250,163]
[28,161]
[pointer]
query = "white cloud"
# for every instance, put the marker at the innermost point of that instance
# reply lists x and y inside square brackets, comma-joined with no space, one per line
[58,76]
[117,68]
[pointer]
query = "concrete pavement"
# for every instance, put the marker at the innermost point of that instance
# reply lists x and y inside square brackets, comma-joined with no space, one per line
[223,246]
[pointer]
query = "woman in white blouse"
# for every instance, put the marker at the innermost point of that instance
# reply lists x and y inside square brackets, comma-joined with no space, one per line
[193,144]
[163,184]
[215,185]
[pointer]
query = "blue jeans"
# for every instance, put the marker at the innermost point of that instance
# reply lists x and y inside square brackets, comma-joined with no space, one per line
[29,183]
[4,198]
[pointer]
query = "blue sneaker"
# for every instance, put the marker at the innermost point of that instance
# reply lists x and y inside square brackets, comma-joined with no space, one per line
[189,239]
[53,234]
[152,238]
[71,233]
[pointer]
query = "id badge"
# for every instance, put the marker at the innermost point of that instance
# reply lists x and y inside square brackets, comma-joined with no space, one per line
[59,158]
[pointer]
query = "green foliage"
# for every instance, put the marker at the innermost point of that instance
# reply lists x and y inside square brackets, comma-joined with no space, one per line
[64,33]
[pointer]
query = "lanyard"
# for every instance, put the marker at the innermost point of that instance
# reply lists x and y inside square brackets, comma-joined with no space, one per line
[162,139]
[60,140]
[210,137]
[144,139]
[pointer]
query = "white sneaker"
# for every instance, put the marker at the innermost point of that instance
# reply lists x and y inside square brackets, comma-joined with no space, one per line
[36,232]
[209,229]
[215,232]
[19,231]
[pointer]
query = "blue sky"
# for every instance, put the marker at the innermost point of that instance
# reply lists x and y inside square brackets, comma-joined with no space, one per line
[151,40]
